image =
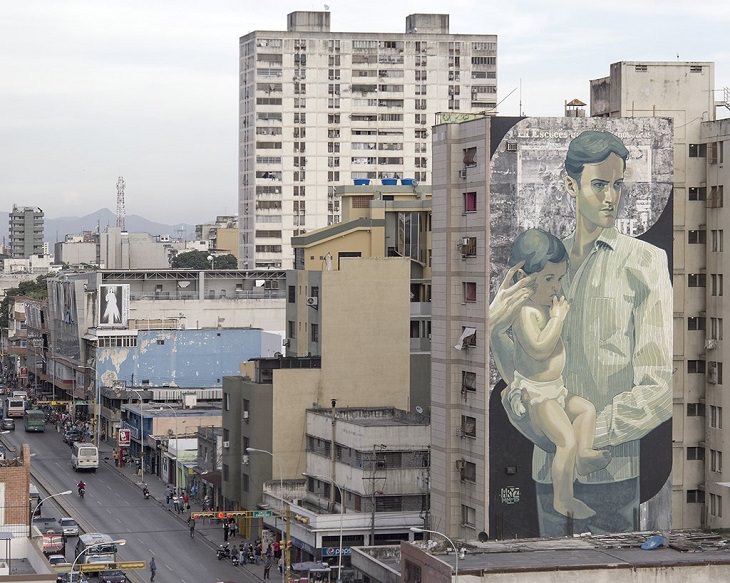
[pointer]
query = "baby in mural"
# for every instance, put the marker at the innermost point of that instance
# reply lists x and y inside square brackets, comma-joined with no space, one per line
[567,420]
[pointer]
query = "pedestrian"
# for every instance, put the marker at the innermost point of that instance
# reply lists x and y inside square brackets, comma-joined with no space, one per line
[115,455]
[241,554]
[277,549]
[225,531]
[267,567]
[233,527]
[258,553]
[176,503]
[186,501]
[168,496]
[191,525]
[153,569]
[281,565]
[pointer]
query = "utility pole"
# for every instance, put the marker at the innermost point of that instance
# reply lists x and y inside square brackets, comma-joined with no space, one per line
[333,456]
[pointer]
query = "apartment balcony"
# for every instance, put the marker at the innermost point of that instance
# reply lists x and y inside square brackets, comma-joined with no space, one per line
[420,309]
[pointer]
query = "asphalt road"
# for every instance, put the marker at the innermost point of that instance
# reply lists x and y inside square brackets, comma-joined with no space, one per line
[113,505]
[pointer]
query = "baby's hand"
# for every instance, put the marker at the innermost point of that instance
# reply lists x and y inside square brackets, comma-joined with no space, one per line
[560,307]
[515,401]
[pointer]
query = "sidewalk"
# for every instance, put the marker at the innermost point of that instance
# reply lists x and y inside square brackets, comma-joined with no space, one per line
[207,531]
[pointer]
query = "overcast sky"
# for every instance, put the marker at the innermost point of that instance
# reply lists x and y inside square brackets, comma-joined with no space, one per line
[93,89]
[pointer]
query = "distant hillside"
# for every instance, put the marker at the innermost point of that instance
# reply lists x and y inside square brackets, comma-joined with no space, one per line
[57,229]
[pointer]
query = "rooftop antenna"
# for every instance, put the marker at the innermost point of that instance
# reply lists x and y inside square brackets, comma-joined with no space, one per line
[121,210]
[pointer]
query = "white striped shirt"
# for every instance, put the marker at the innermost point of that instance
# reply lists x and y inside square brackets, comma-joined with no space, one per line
[618,342]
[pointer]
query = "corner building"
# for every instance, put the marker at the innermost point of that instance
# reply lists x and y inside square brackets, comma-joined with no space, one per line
[320,108]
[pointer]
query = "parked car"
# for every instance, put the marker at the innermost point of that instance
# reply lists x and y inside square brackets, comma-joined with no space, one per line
[8,424]
[75,577]
[57,559]
[69,525]
[113,576]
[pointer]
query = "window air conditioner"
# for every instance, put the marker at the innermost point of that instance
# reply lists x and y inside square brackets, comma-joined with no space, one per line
[312,301]
[462,173]
[286,342]
[460,464]
[245,414]
[226,444]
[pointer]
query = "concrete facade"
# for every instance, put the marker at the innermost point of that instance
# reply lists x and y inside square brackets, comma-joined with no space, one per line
[319,108]
[25,231]
[685,92]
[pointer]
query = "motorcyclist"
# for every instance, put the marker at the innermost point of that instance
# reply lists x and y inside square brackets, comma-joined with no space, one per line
[145,491]
[81,487]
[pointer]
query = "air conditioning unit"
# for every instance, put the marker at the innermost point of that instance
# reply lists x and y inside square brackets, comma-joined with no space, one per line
[245,414]
[460,464]
[312,301]
[463,242]
[286,342]
[226,444]
[710,344]
[462,173]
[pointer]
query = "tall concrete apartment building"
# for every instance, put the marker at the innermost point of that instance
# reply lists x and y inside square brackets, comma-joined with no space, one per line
[466,230]
[320,108]
[26,231]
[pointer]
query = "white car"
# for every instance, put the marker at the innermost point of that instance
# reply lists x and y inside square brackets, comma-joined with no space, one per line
[69,525]
[57,559]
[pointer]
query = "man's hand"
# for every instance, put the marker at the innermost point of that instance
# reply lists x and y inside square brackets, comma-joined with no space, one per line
[509,299]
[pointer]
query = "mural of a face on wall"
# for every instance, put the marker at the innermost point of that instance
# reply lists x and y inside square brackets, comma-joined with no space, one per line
[583,359]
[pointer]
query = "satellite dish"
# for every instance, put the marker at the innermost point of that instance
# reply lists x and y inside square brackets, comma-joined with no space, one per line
[419,409]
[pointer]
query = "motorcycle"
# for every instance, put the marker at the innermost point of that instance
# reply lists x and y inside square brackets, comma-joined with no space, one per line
[234,559]
[146,493]
[82,491]
[223,552]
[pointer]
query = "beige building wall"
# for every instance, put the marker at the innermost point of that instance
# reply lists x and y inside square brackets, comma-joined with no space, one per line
[683,91]
[452,499]
[365,310]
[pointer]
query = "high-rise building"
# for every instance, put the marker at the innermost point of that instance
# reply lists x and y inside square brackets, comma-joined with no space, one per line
[26,231]
[319,108]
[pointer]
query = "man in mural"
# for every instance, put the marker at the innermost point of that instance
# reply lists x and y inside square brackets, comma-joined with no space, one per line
[617,338]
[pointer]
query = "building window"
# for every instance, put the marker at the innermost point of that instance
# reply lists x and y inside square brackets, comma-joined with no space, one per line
[695,454]
[314,331]
[468,246]
[470,202]
[470,292]
[469,472]
[695,409]
[468,426]
[716,328]
[714,373]
[696,366]
[697,237]
[715,460]
[696,496]
[292,293]
[716,279]
[227,401]
[468,381]
[716,198]
[468,515]
[696,280]
[716,505]
[697,192]
[715,417]
[696,323]
[697,150]
[717,240]
[470,155]
[291,329]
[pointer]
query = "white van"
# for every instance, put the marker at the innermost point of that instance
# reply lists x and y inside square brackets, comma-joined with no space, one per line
[84,456]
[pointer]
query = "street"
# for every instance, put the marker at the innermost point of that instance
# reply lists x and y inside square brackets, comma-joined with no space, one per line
[114,505]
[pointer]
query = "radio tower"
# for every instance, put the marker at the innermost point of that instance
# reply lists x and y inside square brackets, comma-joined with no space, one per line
[121,211]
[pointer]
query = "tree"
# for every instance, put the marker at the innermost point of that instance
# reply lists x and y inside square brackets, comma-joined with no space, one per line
[199,260]
[33,288]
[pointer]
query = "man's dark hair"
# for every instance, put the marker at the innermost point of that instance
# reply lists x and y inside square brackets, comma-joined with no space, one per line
[592,147]
[536,247]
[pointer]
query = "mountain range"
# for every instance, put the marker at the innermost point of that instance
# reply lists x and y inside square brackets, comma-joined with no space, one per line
[56,229]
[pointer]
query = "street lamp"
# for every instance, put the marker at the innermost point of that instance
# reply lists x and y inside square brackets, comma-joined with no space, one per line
[141,435]
[211,258]
[121,542]
[456,551]
[342,511]
[281,492]
[177,449]
[37,506]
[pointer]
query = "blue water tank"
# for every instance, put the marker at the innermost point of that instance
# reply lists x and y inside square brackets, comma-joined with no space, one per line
[362,181]
[390,181]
